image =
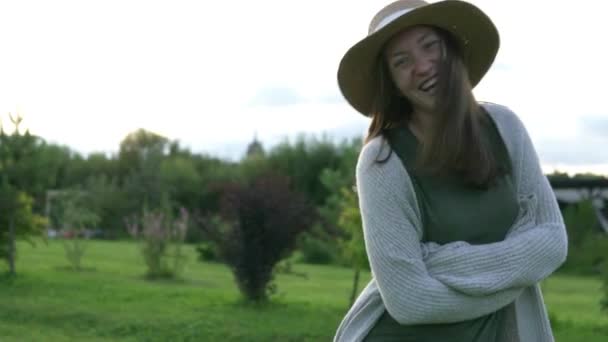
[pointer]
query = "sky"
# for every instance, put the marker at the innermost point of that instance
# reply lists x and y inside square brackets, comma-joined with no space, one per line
[212,74]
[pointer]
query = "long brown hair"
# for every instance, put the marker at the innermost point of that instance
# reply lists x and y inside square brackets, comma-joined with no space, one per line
[457,141]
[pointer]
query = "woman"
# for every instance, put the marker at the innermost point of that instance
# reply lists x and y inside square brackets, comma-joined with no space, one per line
[460,223]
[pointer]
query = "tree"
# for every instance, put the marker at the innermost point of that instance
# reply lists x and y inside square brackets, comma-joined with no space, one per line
[109,202]
[17,219]
[80,169]
[341,210]
[214,174]
[140,158]
[303,162]
[181,180]
[140,145]
[353,244]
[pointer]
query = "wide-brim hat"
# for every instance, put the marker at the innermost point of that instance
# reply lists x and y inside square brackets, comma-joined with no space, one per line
[473,30]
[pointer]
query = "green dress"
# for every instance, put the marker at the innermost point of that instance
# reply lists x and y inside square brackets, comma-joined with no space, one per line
[447,204]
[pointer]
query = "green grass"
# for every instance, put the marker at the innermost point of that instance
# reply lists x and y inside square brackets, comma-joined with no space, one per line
[110,301]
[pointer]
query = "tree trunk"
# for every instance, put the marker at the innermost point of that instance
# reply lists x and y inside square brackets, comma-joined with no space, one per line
[353,295]
[11,247]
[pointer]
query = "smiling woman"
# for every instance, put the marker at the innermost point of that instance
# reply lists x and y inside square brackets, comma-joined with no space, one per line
[424,66]
[460,223]
[413,58]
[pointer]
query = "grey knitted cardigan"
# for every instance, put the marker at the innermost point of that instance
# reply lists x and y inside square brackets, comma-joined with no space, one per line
[425,283]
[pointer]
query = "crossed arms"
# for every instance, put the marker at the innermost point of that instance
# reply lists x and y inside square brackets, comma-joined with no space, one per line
[422,283]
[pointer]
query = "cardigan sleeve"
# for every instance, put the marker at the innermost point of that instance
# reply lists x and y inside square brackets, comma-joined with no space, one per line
[391,227]
[535,246]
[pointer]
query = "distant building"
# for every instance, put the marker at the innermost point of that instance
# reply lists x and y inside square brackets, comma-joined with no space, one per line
[255,148]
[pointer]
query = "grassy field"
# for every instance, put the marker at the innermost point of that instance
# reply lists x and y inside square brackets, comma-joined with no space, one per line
[110,301]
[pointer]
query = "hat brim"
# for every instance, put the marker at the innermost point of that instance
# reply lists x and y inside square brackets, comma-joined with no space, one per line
[475,32]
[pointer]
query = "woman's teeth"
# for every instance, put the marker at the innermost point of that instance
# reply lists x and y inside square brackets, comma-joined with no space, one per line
[428,85]
[427,88]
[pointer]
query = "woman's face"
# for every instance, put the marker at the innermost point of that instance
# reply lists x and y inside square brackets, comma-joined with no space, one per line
[413,57]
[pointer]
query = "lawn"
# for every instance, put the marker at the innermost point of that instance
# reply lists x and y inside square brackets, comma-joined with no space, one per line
[110,301]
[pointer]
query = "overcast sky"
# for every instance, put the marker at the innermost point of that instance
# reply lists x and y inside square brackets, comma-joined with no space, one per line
[211,74]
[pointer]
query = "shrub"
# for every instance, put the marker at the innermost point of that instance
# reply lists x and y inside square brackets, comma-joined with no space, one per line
[581,222]
[75,218]
[207,251]
[589,257]
[257,226]
[161,240]
[315,250]
[587,246]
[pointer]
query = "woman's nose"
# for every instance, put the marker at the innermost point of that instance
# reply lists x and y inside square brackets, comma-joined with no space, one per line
[424,66]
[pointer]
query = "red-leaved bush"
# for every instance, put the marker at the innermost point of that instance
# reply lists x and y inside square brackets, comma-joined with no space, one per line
[257,226]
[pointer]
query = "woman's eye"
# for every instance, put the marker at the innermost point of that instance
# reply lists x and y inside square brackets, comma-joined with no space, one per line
[400,62]
[430,44]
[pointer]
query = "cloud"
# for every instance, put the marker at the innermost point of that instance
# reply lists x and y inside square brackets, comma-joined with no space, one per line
[277,96]
[596,125]
[349,131]
[582,150]
[502,66]
[281,96]
[331,98]
[236,148]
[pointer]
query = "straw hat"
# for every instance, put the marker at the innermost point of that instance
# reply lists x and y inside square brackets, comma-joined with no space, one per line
[473,30]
